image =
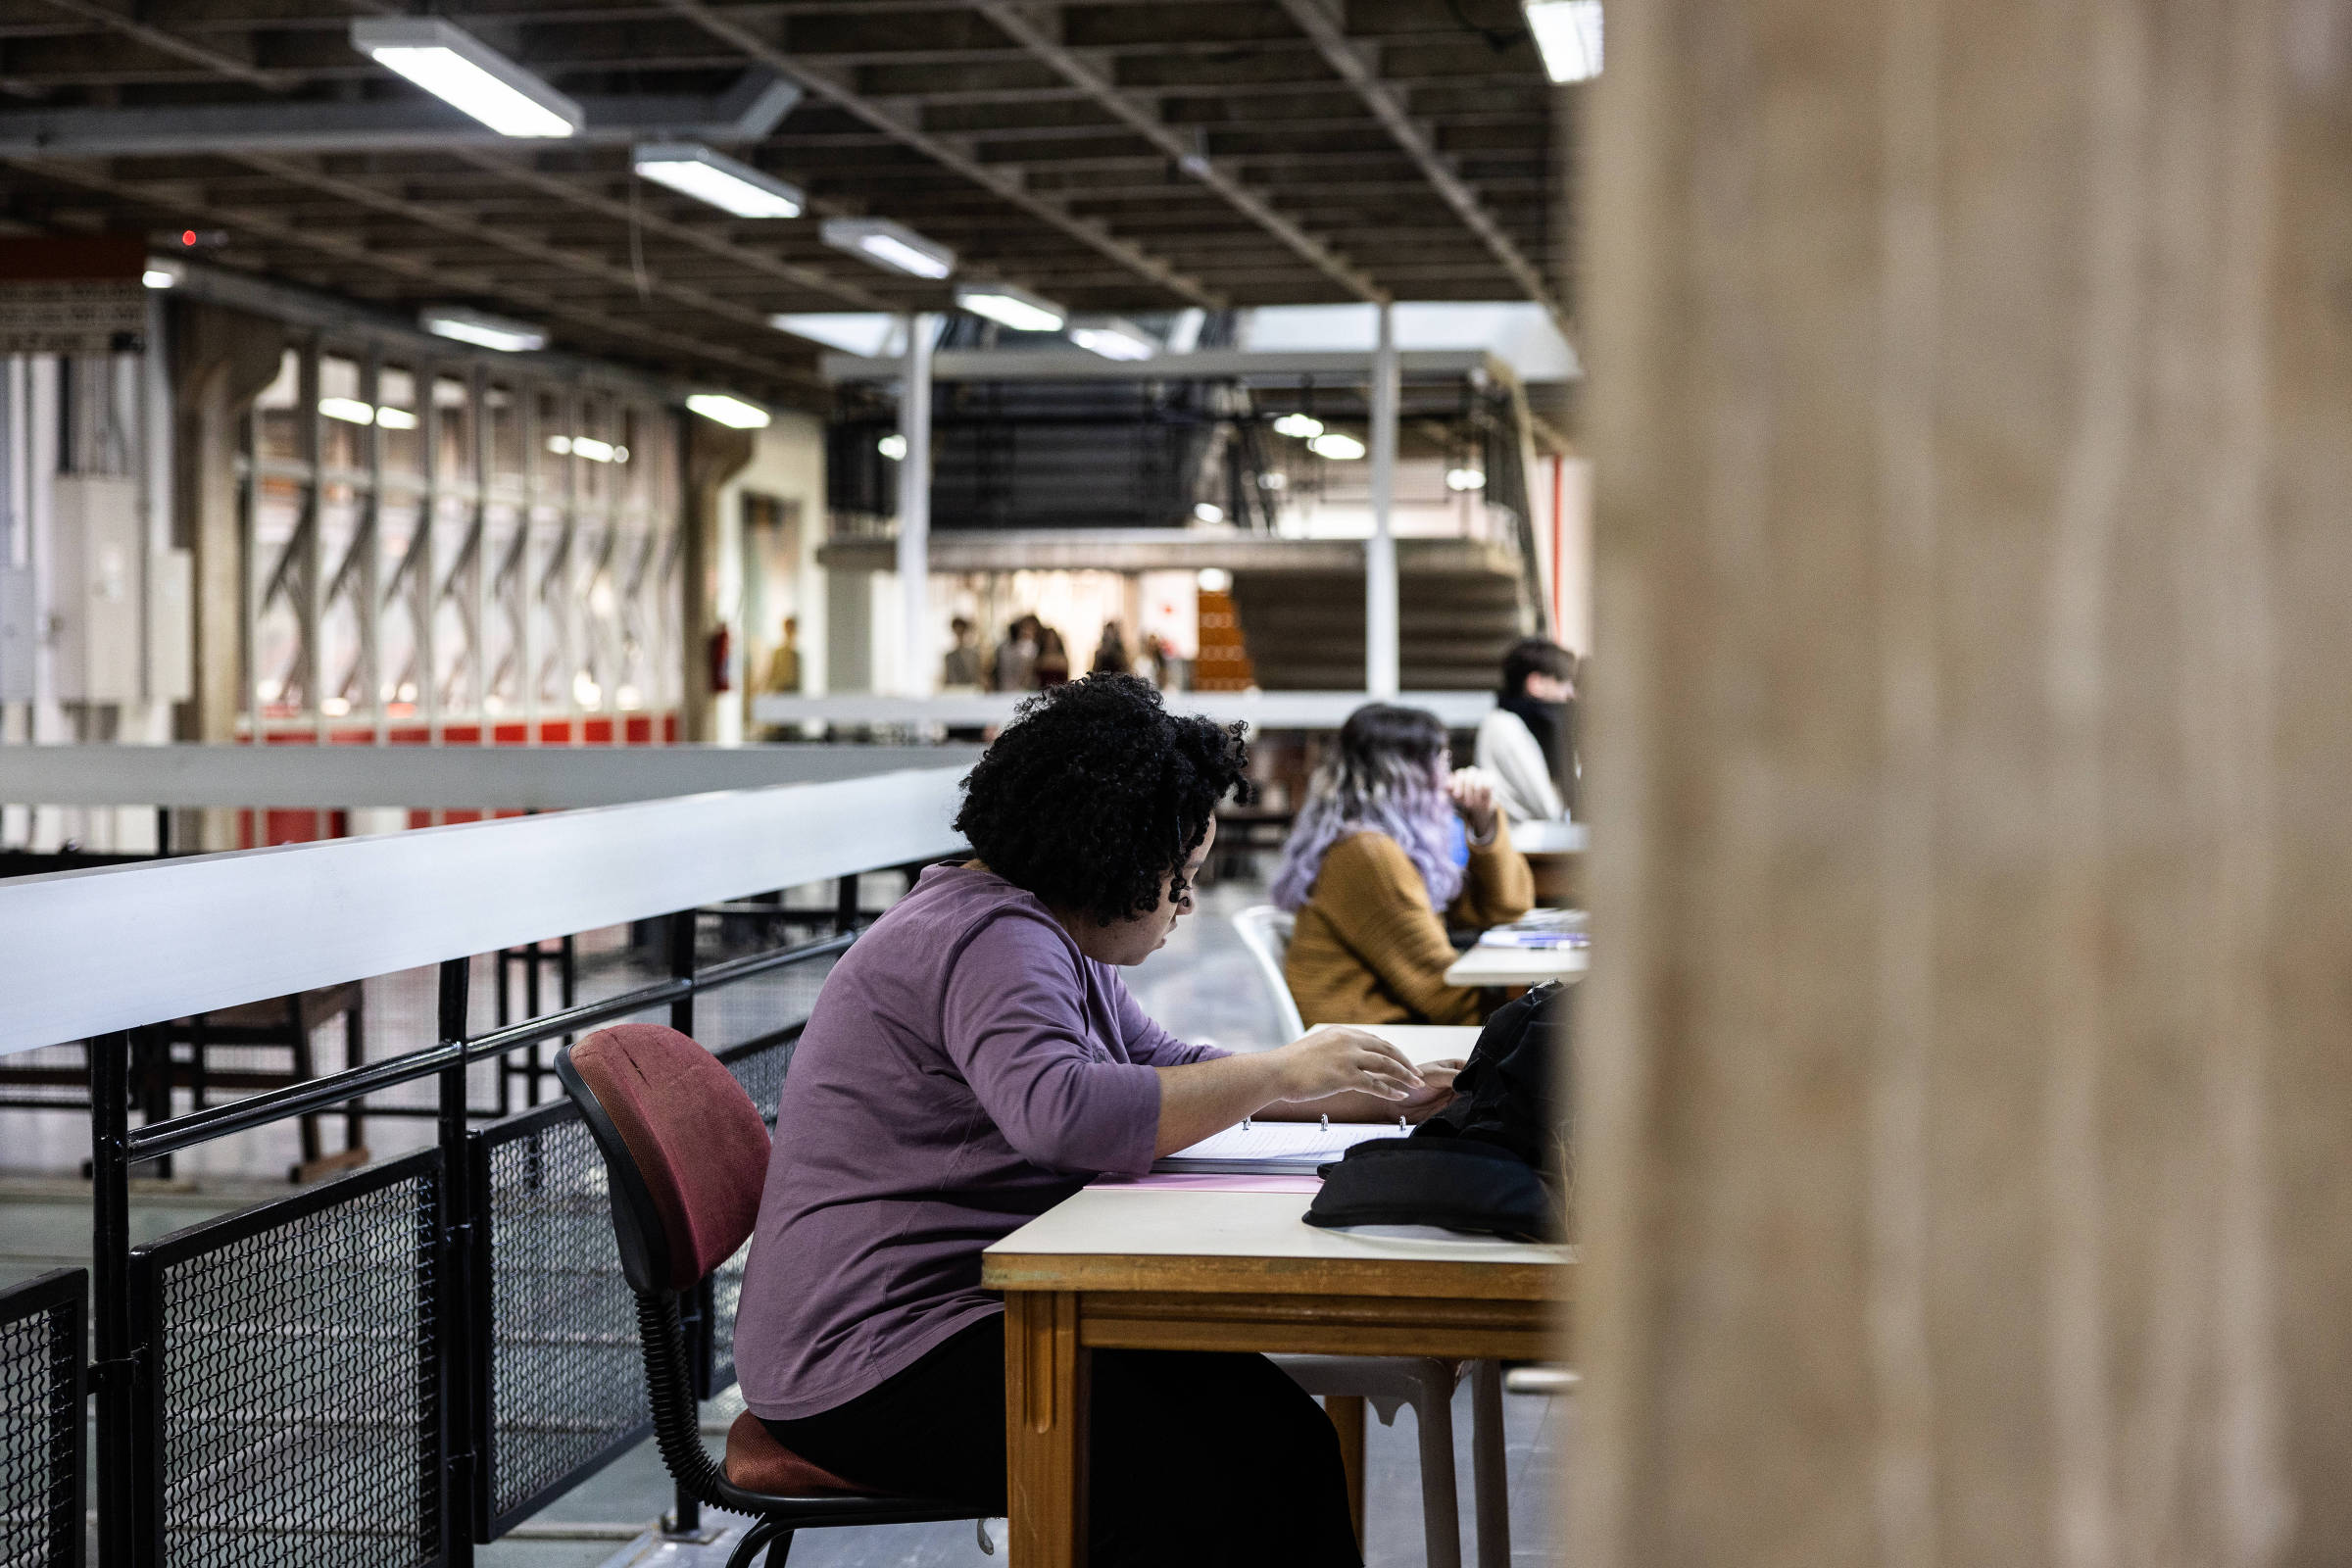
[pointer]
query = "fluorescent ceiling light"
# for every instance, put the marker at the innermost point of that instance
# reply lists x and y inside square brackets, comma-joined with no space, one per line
[457,322]
[733,412]
[1214,579]
[693,170]
[351,410]
[1208,511]
[889,245]
[1338,447]
[395,418]
[893,447]
[1302,426]
[1113,338]
[872,334]
[1568,36]
[467,74]
[1465,479]
[589,447]
[1012,307]
[162,272]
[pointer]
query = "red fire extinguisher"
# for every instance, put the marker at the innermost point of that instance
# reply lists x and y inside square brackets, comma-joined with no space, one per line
[722,659]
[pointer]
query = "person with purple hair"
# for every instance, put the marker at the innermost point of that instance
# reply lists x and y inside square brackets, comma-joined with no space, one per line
[1391,844]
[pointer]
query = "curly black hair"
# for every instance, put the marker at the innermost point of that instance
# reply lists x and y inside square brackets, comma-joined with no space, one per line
[1096,792]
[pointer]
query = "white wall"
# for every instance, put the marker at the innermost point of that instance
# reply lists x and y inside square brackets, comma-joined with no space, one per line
[788,461]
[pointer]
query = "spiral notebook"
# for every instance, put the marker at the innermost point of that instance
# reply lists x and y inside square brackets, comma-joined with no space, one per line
[1274,1148]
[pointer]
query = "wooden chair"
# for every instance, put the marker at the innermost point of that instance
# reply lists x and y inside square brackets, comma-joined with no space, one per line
[283,1023]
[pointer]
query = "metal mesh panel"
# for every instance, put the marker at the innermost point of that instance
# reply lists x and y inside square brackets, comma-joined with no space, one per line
[298,1420]
[40,1423]
[566,1378]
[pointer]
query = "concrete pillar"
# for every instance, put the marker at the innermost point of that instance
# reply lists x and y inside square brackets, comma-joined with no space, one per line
[1964,1084]
[917,662]
[715,454]
[1380,550]
[222,359]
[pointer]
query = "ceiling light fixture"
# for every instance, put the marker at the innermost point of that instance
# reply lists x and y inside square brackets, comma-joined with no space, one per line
[692,170]
[732,412]
[893,447]
[863,332]
[1012,307]
[1339,446]
[888,245]
[1305,427]
[395,418]
[1568,36]
[351,410]
[162,274]
[1208,511]
[1113,338]
[467,74]
[462,326]
[1465,479]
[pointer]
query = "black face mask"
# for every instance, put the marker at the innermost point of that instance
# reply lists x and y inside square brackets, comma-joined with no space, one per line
[1548,722]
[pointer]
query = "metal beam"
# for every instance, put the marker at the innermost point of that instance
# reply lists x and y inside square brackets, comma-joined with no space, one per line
[1272,366]
[915,509]
[745,111]
[1016,22]
[1087,231]
[524,172]
[1317,18]
[448,223]
[172,45]
[267,225]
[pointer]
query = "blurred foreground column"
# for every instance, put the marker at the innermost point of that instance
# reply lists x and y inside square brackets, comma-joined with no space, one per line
[1966,1161]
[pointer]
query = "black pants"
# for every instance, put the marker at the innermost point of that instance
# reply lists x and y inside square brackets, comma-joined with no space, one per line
[1196,1460]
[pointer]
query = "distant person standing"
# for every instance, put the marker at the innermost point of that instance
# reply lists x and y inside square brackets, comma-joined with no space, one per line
[1053,668]
[784,664]
[1529,742]
[1110,654]
[962,667]
[1016,656]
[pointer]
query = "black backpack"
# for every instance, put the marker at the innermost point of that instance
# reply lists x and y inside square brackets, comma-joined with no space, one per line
[1493,1161]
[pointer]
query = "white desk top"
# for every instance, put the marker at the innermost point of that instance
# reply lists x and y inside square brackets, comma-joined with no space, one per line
[1163,1222]
[1549,838]
[1425,1042]
[1517,966]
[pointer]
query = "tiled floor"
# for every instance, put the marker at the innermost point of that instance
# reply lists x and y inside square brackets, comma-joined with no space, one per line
[1203,986]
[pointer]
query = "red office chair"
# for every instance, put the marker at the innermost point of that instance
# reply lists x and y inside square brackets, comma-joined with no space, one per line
[686,1155]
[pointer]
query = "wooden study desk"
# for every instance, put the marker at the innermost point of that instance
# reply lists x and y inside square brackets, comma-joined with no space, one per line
[1162,1268]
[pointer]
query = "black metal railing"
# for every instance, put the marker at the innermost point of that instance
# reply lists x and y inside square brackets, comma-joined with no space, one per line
[43,1325]
[392,1366]
[288,1395]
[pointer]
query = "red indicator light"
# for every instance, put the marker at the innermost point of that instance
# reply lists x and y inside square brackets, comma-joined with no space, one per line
[187,236]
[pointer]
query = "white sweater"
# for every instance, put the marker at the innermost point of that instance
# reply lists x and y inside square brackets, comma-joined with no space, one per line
[1523,782]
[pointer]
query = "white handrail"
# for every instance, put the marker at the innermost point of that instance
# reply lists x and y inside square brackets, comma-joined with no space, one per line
[1258,709]
[420,777]
[82,953]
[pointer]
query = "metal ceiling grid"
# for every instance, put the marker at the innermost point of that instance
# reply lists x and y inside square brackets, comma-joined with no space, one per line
[1119,155]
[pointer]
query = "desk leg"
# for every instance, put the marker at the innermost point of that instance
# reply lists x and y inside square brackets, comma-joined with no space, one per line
[1346,1412]
[1045,1429]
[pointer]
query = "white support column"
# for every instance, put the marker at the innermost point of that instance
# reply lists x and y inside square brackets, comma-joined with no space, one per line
[916,674]
[1380,550]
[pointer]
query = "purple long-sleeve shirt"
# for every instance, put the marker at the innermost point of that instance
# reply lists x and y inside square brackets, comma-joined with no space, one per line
[965,1069]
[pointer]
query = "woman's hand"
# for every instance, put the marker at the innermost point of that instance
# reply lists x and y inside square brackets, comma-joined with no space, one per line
[1473,795]
[1336,1060]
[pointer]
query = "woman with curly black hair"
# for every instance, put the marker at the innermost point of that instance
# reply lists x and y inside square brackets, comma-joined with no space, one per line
[973,1060]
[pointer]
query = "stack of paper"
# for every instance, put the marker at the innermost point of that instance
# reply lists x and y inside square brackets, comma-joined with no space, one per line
[1274,1147]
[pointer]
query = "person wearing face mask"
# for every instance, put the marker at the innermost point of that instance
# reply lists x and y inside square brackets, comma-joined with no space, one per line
[1392,845]
[974,1059]
[1529,742]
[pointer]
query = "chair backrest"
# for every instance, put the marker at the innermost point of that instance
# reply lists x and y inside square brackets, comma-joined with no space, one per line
[684,1148]
[1266,932]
